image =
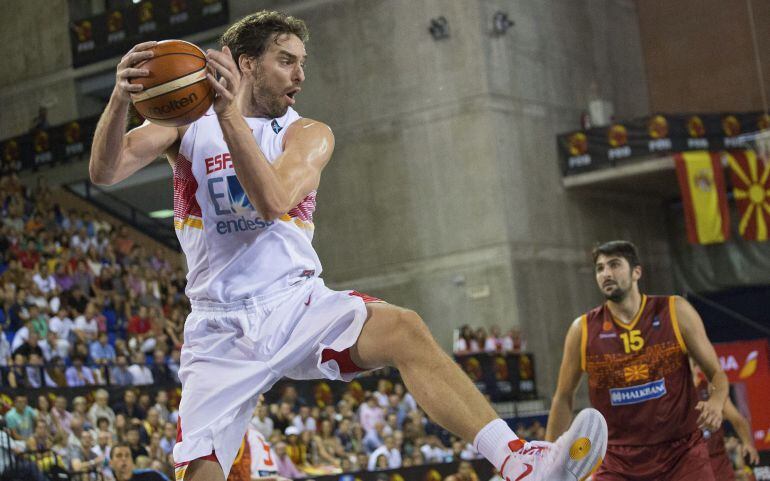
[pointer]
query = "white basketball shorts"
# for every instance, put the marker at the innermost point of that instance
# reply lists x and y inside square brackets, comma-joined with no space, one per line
[233,352]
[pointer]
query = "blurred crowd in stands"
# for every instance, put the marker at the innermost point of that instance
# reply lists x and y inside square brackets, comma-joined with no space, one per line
[471,341]
[359,431]
[81,303]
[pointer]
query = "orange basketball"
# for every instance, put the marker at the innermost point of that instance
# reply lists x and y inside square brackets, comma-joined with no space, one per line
[176,92]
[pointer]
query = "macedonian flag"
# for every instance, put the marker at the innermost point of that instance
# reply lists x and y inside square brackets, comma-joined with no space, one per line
[702,184]
[751,190]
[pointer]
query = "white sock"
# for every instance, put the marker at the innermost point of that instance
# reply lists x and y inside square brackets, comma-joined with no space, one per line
[492,442]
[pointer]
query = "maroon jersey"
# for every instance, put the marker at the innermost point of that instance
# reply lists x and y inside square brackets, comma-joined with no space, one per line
[638,374]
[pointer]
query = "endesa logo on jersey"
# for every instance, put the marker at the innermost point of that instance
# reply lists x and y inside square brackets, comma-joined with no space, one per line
[228,198]
[638,394]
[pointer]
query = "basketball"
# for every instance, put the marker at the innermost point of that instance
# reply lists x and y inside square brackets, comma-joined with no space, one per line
[176,92]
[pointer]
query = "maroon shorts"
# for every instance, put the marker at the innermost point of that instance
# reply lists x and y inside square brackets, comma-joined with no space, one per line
[722,467]
[685,459]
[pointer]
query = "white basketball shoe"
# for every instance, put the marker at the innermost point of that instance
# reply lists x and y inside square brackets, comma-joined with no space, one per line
[573,457]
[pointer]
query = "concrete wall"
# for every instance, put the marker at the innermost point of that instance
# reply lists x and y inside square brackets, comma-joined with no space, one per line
[700,55]
[34,43]
[444,193]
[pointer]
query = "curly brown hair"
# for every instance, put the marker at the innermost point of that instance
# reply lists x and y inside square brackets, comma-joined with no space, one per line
[251,34]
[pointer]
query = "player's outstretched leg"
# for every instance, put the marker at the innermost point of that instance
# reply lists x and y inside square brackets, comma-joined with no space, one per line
[393,336]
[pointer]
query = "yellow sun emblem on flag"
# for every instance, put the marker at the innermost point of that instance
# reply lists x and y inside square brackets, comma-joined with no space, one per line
[639,372]
[751,190]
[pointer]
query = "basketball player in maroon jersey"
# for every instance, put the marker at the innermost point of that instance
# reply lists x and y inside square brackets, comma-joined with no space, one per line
[635,351]
[721,464]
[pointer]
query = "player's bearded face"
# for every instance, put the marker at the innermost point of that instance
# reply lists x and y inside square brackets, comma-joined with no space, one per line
[614,277]
[278,76]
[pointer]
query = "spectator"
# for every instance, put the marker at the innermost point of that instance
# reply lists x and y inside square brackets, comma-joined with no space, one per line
[168,440]
[85,459]
[296,450]
[10,446]
[36,375]
[389,452]
[304,422]
[80,411]
[370,413]
[466,341]
[44,280]
[5,349]
[284,464]
[374,439]
[132,438]
[21,419]
[161,405]
[283,416]
[101,409]
[494,342]
[102,353]
[78,374]
[60,414]
[30,346]
[139,327]
[140,373]
[173,364]
[55,372]
[41,439]
[261,421]
[435,452]
[38,321]
[465,472]
[161,374]
[62,326]
[129,407]
[120,374]
[86,326]
[103,445]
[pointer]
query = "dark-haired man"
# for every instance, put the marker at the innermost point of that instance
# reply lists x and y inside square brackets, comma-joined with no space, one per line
[245,181]
[123,468]
[634,349]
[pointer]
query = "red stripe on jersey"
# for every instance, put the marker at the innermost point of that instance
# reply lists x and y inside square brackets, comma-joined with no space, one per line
[365,297]
[304,210]
[185,186]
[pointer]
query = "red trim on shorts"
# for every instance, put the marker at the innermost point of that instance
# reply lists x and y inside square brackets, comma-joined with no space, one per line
[209,457]
[365,297]
[343,359]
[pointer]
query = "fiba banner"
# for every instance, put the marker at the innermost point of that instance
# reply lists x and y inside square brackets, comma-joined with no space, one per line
[747,369]
[504,377]
[114,32]
[597,148]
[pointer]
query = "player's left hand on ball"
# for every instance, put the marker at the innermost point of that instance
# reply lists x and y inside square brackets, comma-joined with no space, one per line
[226,87]
[710,415]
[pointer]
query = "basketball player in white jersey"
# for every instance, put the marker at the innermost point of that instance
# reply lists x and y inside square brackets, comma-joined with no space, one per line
[245,180]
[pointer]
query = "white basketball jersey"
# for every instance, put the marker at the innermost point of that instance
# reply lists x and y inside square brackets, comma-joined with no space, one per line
[232,252]
[262,455]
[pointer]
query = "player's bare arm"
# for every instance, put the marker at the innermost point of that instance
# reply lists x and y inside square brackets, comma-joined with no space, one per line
[700,349]
[570,374]
[276,188]
[115,154]
[742,427]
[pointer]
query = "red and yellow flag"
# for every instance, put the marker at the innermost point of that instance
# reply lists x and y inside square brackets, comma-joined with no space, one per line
[702,184]
[751,190]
